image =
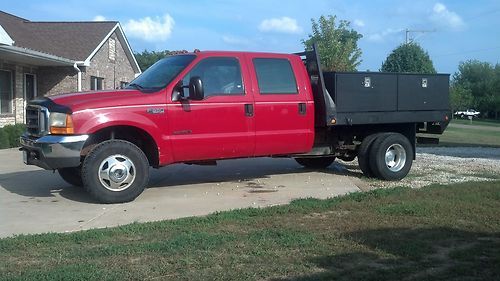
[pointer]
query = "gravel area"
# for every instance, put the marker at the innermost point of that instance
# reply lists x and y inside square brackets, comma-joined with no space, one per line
[445,165]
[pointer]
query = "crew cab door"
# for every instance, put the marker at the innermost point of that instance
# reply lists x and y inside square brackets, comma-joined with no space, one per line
[284,113]
[219,126]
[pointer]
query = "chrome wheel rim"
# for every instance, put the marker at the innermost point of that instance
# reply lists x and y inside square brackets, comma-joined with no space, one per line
[395,157]
[116,172]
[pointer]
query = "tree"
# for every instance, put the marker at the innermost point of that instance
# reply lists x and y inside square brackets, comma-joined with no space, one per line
[337,44]
[148,58]
[460,98]
[409,58]
[482,80]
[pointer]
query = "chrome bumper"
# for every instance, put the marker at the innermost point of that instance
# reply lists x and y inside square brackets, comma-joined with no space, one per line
[52,152]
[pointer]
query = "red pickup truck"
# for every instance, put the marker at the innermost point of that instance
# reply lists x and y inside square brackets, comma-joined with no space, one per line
[201,107]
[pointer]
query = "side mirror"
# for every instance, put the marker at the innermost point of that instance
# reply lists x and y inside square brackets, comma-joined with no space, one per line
[196,88]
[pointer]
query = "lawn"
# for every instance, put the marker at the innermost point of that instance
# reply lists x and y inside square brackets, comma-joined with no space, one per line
[437,232]
[473,135]
[480,122]
[470,137]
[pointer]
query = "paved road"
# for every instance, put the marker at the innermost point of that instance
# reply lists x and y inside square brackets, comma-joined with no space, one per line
[36,201]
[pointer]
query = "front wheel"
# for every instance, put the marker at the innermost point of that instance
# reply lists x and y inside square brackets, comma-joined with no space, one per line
[316,163]
[115,171]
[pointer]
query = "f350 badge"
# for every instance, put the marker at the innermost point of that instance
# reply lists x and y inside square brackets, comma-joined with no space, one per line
[155,110]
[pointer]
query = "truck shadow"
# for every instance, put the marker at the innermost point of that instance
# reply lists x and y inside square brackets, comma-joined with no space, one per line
[240,171]
[439,253]
[45,184]
[42,184]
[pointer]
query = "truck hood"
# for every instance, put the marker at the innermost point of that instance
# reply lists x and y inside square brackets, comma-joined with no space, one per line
[100,99]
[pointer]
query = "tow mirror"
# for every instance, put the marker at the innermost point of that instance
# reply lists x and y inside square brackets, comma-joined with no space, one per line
[196,88]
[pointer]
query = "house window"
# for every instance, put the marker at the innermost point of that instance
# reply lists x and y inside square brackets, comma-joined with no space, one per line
[96,83]
[123,84]
[5,92]
[112,49]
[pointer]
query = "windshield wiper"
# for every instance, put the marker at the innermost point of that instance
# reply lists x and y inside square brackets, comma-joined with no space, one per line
[135,85]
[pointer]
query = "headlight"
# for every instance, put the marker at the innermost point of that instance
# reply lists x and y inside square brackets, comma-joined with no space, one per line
[60,123]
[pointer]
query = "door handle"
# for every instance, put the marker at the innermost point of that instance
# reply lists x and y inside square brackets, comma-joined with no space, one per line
[248,110]
[302,108]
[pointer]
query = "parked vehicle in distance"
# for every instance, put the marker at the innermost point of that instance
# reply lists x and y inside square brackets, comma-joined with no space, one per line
[202,107]
[467,113]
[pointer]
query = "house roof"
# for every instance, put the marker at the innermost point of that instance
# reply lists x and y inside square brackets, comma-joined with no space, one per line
[77,41]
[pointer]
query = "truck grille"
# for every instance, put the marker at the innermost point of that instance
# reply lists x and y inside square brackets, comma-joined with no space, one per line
[36,120]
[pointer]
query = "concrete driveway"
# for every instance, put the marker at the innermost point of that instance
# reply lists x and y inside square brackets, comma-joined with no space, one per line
[33,200]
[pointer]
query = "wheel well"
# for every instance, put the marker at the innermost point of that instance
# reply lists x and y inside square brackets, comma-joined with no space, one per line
[131,134]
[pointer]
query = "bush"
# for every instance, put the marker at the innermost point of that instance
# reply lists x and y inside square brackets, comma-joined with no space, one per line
[9,135]
[4,140]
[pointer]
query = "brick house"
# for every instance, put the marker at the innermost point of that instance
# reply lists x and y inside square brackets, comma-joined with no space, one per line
[48,58]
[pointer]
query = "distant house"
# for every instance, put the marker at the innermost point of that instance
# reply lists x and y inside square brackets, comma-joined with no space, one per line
[47,58]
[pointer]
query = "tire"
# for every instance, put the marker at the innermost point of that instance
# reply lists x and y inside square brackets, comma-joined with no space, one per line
[391,157]
[71,175]
[316,163]
[364,154]
[115,171]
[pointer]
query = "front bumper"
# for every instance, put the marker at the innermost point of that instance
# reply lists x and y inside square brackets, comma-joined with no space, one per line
[52,152]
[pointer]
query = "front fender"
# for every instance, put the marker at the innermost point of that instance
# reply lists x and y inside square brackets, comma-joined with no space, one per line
[91,121]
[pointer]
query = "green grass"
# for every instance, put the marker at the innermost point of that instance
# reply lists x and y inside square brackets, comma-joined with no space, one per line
[470,137]
[437,232]
[480,122]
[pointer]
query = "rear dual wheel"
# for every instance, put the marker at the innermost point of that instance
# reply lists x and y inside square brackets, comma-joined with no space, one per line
[387,156]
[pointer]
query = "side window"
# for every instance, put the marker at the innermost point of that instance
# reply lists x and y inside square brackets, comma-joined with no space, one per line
[275,76]
[220,76]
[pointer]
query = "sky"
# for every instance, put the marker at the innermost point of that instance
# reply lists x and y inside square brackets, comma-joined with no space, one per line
[455,31]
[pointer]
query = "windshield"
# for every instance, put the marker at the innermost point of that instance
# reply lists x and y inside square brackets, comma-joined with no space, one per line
[160,74]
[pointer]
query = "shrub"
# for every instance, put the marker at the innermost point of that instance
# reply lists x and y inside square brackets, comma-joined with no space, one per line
[9,135]
[4,140]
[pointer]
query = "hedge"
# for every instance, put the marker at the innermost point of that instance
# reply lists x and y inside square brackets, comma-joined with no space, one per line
[9,135]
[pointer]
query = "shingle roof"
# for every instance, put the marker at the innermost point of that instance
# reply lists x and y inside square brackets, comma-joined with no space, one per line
[71,40]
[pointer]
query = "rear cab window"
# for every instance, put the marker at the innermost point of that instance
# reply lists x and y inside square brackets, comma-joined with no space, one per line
[275,76]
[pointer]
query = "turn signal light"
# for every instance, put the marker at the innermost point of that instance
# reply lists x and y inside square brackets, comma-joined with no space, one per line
[64,130]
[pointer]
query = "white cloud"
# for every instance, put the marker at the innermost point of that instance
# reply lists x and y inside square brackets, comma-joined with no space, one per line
[283,25]
[150,29]
[443,17]
[99,18]
[359,23]
[381,36]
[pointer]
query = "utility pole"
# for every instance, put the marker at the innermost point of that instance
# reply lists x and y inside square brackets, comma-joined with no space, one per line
[408,31]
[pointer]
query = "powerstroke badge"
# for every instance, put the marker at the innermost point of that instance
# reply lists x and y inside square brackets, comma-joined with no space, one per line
[155,110]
